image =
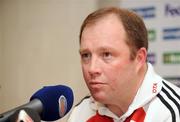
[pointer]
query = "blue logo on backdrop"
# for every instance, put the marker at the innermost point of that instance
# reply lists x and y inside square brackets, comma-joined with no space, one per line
[171,10]
[146,12]
[151,57]
[171,33]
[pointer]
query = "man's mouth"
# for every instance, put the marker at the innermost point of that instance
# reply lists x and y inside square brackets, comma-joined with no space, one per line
[96,84]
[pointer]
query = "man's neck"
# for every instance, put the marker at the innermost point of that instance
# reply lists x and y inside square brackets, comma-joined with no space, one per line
[124,102]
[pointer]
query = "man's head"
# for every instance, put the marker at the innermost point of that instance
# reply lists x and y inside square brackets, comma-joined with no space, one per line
[113,46]
[136,33]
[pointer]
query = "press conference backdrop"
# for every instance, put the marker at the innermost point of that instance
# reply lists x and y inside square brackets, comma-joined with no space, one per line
[162,19]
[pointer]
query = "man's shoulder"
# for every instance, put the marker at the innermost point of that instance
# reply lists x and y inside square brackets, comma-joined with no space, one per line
[82,111]
[171,86]
[170,97]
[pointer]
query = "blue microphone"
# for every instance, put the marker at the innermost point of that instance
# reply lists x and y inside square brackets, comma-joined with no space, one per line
[50,102]
[56,100]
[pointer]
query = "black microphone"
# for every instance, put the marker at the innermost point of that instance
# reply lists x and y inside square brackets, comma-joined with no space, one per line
[50,102]
[25,115]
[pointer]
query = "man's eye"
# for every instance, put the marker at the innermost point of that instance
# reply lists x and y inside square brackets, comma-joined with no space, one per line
[107,55]
[85,56]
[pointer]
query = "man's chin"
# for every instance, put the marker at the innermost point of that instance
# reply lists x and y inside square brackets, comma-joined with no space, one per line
[99,98]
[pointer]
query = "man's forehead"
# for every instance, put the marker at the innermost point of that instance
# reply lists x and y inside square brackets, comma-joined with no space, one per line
[107,17]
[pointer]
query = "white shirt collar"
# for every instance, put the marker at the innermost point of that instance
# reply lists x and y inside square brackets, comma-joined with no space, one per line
[150,87]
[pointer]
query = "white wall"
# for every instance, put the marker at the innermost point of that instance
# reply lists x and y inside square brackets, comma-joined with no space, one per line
[39,47]
[105,3]
[0,57]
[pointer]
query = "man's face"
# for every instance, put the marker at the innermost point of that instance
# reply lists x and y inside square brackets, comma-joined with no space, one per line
[105,57]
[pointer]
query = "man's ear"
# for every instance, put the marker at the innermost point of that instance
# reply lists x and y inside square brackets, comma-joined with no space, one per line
[141,55]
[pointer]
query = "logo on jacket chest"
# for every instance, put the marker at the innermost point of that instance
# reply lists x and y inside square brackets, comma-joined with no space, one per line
[154,88]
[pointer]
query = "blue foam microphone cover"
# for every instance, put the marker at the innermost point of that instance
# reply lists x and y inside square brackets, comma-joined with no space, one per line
[57,101]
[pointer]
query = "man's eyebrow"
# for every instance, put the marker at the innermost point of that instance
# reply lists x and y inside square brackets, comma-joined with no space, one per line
[82,50]
[106,48]
[103,48]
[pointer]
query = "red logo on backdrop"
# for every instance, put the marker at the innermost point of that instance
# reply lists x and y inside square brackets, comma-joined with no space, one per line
[154,88]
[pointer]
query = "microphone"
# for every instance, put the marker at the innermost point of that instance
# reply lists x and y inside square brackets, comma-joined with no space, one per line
[50,102]
[25,115]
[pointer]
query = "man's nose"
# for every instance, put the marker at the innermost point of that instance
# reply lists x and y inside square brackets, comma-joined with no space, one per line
[94,68]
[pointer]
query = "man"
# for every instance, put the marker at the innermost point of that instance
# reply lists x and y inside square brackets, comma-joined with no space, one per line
[123,86]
